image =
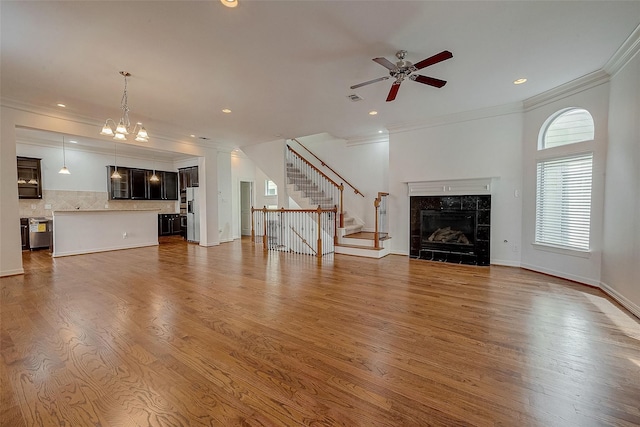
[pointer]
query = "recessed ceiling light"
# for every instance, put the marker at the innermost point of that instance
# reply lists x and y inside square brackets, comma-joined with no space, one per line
[61,105]
[373,113]
[73,141]
[192,136]
[519,81]
[229,3]
[226,111]
[379,131]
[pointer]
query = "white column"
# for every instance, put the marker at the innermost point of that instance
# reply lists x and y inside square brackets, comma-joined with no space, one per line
[208,182]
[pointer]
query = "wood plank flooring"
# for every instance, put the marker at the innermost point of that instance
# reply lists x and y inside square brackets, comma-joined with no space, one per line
[181,335]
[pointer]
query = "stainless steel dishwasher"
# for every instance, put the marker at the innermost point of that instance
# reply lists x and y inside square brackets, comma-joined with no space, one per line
[40,233]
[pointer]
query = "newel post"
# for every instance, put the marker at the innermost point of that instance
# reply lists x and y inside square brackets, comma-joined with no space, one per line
[376,244]
[253,229]
[264,224]
[319,253]
[341,188]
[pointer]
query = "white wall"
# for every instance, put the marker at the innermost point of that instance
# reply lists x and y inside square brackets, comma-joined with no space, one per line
[564,263]
[478,148]
[621,237]
[225,213]
[269,158]
[365,166]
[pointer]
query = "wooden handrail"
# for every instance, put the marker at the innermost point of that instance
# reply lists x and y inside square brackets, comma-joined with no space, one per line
[355,190]
[313,167]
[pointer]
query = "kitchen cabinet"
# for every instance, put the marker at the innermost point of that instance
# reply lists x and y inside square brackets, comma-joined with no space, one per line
[29,178]
[118,188]
[168,224]
[139,184]
[136,184]
[188,177]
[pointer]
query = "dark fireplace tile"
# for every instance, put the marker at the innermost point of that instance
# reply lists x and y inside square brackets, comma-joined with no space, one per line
[484,202]
[484,217]
[469,203]
[451,202]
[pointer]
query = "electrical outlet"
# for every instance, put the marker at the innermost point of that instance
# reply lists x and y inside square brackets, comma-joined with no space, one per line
[124,235]
[33,207]
[47,206]
[515,249]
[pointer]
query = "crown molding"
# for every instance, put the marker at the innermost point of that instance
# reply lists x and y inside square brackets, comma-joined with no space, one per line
[573,87]
[481,113]
[624,54]
[367,139]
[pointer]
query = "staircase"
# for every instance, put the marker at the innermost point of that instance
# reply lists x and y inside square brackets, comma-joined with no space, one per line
[351,239]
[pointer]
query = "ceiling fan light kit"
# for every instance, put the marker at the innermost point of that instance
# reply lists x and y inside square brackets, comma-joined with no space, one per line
[123,128]
[404,69]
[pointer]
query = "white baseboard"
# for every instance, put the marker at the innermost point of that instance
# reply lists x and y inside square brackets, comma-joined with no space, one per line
[14,272]
[504,262]
[624,301]
[209,244]
[105,249]
[562,275]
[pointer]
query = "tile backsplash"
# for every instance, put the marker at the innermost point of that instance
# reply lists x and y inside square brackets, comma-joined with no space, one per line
[59,200]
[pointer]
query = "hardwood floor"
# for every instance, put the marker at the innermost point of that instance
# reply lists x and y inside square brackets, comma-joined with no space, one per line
[180,335]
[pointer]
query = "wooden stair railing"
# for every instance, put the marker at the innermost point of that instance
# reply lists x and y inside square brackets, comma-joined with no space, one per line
[316,182]
[355,190]
[382,223]
[274,221]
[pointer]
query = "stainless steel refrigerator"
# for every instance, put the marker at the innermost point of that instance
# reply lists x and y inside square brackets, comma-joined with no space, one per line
[193,214]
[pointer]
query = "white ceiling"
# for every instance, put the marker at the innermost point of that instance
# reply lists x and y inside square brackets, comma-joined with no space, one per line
[284,67]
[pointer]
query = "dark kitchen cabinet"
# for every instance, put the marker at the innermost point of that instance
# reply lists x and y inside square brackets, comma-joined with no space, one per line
[155,187]
[188,177]
[118,188]
[169,185]
[165,188]
[29,178]
[136,184]
[168,224]
[139,184]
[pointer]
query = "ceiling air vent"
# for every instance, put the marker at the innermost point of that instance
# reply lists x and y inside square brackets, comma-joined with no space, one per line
[204,138]
[354,98]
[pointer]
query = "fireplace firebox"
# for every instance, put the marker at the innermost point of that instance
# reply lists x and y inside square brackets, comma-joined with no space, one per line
[451,228]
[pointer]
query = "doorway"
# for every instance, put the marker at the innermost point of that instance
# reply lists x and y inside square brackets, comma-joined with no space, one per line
[246,198]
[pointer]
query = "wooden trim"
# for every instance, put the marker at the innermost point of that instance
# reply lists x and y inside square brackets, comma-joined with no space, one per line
[326,165]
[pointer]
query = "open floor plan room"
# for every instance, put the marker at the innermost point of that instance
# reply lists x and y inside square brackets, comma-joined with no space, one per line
[179,334]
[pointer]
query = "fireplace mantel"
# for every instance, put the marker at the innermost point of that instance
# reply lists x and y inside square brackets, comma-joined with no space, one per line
[451,187]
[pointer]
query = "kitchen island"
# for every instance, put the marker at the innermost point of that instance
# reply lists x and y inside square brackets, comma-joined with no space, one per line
[85,231]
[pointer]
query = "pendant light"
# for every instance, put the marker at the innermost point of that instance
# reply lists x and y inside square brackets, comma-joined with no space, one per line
[154,177]
[64,170]
[115,174]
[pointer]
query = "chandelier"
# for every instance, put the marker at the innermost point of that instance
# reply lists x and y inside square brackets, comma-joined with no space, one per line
[123,128]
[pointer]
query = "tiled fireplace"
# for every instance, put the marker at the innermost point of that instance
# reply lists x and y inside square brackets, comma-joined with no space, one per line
[450,228]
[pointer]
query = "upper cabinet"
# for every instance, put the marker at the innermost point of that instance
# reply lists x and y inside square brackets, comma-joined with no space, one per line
[29,178]
[136,184]
[118,188]
[188,177]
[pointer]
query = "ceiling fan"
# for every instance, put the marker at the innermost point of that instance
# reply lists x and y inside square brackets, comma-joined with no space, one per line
[403,69]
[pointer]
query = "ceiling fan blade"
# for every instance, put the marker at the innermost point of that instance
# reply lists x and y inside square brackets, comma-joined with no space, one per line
[439,57]
[369,82]
[428,80]
[394,91]
[385,63]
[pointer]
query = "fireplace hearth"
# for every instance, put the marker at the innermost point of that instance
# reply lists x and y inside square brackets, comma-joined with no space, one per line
[451,228]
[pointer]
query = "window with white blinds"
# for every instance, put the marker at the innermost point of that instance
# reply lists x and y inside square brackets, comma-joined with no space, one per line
[570,126]
[563,201]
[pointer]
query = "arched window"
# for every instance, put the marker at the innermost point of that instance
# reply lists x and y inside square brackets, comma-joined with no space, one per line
[567,127]
[563,191]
